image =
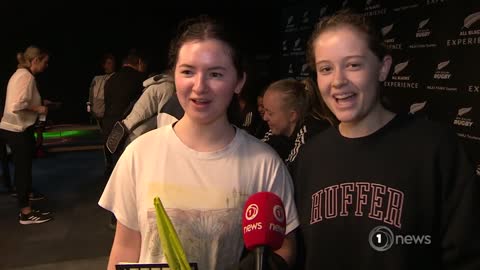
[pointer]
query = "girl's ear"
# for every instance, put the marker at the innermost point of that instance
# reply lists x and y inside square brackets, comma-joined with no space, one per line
[240,84]
[293,117]
[385,68]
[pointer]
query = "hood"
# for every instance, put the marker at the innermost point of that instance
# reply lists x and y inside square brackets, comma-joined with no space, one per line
[157,79]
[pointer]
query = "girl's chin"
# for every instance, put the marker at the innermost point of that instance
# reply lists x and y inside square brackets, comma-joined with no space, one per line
[346,117]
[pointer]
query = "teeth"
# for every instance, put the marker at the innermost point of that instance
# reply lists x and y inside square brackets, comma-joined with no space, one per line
[343,96]
[200,100]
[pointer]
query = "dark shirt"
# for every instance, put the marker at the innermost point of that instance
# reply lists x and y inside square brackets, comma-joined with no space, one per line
[123,88]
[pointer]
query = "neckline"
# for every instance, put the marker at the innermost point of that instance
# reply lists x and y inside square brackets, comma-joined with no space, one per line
[231,146]
[373,135]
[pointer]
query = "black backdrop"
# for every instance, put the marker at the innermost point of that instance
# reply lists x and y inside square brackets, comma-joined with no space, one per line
[78,33]
[435,46]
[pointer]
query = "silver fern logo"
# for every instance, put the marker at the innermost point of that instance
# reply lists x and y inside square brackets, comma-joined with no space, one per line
[289,21]
[423,23]
[387,29]
[399,67]
[478,170]
[443,64]
[422,31]
[405,78]
[297,42]
[442,74]
[297,47]
[415,107]
[304,68]
[323,11]
[305,18]
[290,68]
[463,111]
[471,19]
[460,120]
[389,40]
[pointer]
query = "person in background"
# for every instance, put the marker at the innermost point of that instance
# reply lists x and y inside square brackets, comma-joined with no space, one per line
[96,97]
[260,108]
[367,185]
[261,126]
[156,107]
[122,89]
[248,114]
[23,105]
[294,112]
[197,165]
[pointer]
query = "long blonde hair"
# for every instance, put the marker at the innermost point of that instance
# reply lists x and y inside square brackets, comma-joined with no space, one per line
[25,58]
[302,97]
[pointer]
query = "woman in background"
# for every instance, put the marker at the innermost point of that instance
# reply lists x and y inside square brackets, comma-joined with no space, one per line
[23,105]
[295,113]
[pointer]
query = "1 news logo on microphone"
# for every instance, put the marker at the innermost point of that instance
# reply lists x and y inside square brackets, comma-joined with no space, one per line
[264,221]
[251,212]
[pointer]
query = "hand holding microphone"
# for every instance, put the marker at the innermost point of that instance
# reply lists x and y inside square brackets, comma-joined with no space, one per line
[263,224]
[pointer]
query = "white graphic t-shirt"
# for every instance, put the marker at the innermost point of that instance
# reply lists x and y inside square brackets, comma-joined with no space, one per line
[202,192]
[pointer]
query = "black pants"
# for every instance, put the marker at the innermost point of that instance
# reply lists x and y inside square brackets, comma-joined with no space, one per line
[23,146]
[4,159]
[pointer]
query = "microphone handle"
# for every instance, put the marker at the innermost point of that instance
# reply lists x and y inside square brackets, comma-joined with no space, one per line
[259,257]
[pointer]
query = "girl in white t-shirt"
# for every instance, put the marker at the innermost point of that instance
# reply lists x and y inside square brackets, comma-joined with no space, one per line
[202,167]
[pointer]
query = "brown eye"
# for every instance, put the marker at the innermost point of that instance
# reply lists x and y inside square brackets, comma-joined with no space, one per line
[216,75]
[354,66]
[324,70]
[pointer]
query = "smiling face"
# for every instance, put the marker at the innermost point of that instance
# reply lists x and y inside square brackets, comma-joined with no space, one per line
[348,74]
[206,79]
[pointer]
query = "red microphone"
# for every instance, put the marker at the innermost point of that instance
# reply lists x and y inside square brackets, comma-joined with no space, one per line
[263,223]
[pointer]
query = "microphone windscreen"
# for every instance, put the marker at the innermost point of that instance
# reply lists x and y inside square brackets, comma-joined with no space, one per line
[263,221]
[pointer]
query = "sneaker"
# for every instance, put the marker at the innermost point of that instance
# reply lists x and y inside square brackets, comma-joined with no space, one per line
[33,218]
[41,212]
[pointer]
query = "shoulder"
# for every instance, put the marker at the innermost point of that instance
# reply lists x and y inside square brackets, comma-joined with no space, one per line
[325,136]
[255,148]
[316,125]
[422,130]
[23,73]
[150,140]
[161,87]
